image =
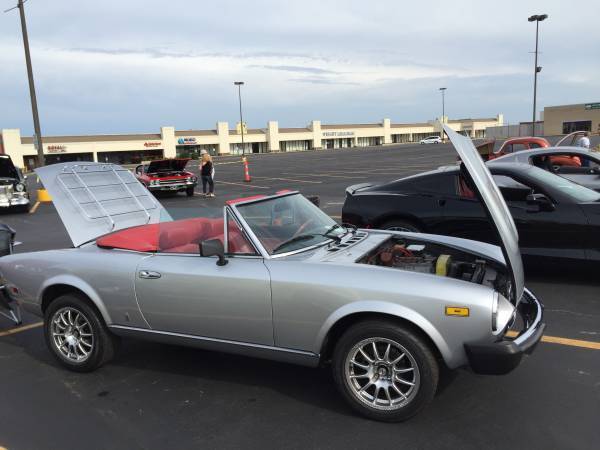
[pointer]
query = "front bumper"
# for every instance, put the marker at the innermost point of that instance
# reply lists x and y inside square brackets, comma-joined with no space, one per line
[171,187]
[503,356]
[15,200]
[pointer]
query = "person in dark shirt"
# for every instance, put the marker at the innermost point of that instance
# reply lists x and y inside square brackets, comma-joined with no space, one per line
[207,173]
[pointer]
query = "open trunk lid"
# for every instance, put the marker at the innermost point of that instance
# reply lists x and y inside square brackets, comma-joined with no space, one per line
[495,206]
[94,199]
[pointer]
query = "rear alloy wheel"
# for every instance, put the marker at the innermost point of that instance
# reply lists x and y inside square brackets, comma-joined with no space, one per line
[400,225]
[384,371]
[76,334]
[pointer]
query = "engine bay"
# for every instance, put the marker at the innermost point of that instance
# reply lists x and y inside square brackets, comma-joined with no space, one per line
[425,257]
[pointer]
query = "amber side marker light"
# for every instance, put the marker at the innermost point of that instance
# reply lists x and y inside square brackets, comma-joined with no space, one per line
[457,311]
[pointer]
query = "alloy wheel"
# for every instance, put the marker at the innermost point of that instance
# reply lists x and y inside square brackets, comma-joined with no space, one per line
[72,334]
[382,374]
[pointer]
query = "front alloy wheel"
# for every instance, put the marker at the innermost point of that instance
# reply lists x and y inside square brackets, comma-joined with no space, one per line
[382,373]
[386,371]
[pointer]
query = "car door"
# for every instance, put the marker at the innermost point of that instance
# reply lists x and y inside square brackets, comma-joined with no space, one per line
[190,294]
[555,233]
[587,174]
[464,215]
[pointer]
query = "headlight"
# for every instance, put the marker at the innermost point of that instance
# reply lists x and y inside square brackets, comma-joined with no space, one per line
[502,312]
[19,187]
[191,179]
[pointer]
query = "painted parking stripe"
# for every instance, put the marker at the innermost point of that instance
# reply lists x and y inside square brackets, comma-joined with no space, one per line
[243,184]
[592,345]
[290,179]
[34,207]
[21,329]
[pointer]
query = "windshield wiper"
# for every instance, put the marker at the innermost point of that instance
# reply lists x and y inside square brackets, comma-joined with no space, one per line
[301,237]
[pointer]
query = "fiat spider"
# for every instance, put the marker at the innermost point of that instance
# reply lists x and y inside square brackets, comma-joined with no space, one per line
[276,278]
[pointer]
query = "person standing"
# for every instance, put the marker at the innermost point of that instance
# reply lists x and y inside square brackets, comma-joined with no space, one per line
[584,141]
[207,173]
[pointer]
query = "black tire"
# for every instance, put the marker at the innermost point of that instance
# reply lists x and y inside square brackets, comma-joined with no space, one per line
[104,343]
[425,378]
[190,191]
[401,225]
[22,209]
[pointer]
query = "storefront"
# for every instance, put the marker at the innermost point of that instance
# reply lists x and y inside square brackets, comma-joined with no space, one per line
[188,147]
[369,141]
[30,161]
[249,147]
[401,138]
[295,146]
[130,157]
[337,143]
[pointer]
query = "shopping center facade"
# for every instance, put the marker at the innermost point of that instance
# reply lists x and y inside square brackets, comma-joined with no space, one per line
[171,143]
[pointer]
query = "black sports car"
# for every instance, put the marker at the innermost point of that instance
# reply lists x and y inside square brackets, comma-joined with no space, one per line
[554,216]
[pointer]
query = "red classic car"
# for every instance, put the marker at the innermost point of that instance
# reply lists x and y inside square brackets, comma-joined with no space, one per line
[167,175]
[486,149]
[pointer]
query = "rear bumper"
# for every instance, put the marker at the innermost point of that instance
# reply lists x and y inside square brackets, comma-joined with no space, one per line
[503,356]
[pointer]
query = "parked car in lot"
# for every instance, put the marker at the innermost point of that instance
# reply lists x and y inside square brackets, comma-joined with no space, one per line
[431,140]
[574,163]
[13,186]
[277,278]
[167,175]
[487,152]
[554,217]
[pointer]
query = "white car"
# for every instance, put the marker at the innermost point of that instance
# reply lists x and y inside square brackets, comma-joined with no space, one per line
[431,140]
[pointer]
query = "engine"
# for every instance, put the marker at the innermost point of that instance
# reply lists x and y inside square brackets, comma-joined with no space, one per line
[437,259]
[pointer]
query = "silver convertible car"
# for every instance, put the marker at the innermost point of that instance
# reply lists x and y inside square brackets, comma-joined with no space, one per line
[276,278]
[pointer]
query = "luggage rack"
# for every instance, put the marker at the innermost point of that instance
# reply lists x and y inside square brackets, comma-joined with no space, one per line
[78,183]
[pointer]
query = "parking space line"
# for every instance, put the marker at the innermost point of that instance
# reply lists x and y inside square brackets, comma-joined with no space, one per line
[20,329]
[291,179]
[326,175]
[243,184]
[34,207]
[564,341]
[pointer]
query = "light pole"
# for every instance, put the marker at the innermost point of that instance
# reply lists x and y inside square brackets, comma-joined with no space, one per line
[537,18]
[34,108]
[239,84]
[443,89]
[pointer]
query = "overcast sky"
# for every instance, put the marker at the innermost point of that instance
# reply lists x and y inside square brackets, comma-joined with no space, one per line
[115,66]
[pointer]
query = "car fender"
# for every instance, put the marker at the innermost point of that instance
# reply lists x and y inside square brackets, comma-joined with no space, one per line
[81,285]
[388,308]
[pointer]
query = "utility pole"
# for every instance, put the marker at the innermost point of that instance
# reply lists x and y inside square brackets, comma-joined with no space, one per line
[239,84]
[34,108]
[443,89]
[536,69]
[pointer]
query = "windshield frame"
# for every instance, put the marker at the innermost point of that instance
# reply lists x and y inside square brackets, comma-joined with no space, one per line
[256,241]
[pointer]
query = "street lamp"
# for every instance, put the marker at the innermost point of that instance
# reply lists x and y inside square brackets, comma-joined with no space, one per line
[443,89]
[537,18]
[239,84]
[34,108]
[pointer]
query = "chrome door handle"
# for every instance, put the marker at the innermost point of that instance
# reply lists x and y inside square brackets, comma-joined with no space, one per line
[149,274]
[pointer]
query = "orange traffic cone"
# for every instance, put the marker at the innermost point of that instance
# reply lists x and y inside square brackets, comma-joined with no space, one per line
[246,170]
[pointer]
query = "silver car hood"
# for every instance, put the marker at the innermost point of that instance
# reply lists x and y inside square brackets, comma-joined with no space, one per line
[94,199]
[495,207]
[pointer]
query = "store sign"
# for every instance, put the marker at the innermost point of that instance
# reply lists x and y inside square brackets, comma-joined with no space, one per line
[338,133]
[186,141]
[589,106]
[151,144]
[57,148]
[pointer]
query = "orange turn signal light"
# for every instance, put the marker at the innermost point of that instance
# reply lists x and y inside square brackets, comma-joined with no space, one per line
[457,311]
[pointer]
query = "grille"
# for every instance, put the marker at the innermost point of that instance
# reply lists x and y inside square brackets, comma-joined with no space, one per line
[6,191]
[168,182]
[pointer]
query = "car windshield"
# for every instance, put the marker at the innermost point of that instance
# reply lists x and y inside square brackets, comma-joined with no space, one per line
[289,223]
[578,193]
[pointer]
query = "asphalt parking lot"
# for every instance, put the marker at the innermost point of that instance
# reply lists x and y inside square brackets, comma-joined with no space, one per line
[158,396]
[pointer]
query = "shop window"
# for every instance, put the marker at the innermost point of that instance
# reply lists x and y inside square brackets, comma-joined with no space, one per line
[580,125]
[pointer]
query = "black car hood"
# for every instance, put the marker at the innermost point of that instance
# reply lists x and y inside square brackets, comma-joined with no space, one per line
[7,168]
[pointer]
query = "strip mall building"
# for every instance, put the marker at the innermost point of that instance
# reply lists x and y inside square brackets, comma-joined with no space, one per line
[170,143]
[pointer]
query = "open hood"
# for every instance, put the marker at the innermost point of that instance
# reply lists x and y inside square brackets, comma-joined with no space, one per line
[7,168]
[495,206]
[167,165]
[94,199]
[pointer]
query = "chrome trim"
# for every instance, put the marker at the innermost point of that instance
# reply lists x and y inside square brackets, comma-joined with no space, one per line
[215,340]
[536,322]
